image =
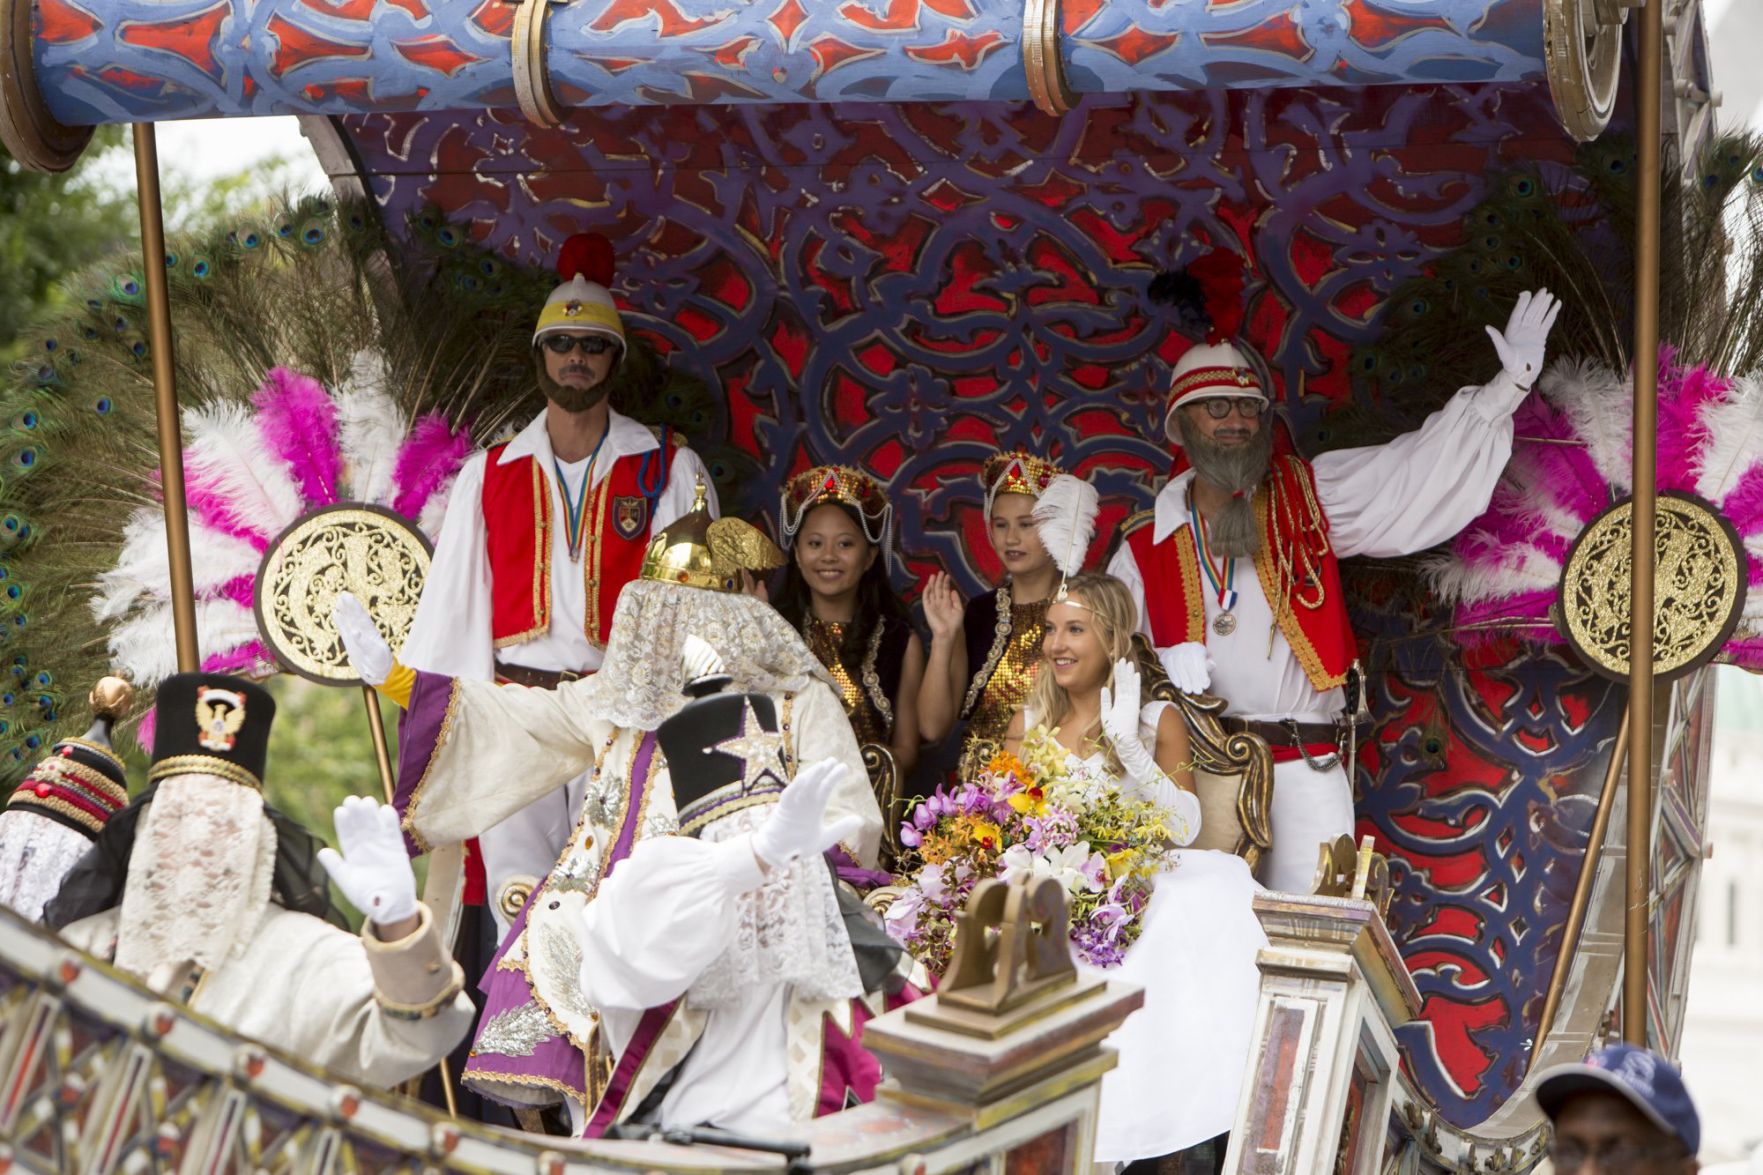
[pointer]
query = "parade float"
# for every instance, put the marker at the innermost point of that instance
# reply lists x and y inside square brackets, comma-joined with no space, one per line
[897,234]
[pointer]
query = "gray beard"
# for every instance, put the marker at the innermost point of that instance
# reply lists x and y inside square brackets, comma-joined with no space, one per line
[571,399]
[1237,470]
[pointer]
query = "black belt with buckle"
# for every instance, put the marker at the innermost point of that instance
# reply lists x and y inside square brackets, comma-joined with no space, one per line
[1285,734]
[536,678]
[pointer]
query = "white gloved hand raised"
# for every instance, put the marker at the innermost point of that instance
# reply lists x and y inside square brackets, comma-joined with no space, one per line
[1120,722]
[368,651]
[1521,346]
[797,826]
[1188,666]
[372,870]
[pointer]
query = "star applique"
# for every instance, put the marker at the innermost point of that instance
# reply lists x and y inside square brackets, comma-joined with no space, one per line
[760,751]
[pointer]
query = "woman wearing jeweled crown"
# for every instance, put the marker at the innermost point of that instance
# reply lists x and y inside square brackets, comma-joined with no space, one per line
[836,521]
[1181,1056]
[983,656]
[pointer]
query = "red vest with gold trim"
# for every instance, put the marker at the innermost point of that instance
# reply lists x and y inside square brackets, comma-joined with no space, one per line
[1296,567]
[517,522]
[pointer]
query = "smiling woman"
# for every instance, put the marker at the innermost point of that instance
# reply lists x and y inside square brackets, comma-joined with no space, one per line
[836,592]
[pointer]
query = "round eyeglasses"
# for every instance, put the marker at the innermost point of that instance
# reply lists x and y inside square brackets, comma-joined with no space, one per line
[1218,407]
[590,344]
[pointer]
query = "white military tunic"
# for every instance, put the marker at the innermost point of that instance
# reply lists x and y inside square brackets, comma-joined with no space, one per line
[1393,499]
[451,632]
[321,994]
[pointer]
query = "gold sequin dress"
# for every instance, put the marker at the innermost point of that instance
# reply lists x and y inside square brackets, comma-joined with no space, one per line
[867,678]
[1003,651]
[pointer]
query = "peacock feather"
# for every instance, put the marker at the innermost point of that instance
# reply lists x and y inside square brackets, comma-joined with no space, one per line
[317,361]
[1571,231]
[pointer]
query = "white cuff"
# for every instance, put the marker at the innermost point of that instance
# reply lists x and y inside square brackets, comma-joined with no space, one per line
[736,865]
[1497,399]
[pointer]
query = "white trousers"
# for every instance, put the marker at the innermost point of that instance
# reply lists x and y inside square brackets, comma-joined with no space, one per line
[1309,807]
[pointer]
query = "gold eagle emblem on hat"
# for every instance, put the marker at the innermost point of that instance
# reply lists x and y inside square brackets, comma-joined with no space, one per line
[219,715]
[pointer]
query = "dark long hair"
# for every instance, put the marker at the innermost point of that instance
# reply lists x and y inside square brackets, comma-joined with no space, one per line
[877,602]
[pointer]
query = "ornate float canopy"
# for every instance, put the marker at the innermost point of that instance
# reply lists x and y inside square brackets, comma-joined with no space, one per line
[897,234]
[72,64]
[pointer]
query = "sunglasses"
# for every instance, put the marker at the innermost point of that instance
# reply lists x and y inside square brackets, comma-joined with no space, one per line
[1220,407]
[590,344]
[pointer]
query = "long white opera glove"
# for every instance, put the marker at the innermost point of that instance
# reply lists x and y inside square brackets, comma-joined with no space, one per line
[1120,722]
[368,651]
[1521,347]
[1188,666]
[797,826]
[372,870]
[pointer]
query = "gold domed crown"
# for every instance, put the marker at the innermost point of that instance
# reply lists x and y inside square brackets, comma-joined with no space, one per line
[842,484]
[699,551]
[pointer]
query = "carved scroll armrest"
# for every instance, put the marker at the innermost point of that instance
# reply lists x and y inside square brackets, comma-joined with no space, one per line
[884,778]
[1216,751]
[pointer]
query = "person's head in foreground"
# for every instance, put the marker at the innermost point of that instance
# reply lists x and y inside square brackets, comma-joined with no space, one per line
[1623,1111]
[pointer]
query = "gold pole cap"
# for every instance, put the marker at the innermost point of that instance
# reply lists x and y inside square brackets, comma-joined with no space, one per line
[111,698]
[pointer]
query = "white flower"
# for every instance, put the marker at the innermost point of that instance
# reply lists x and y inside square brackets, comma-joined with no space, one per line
[932,883]
[1066,865]
[1071,865]
[902,916]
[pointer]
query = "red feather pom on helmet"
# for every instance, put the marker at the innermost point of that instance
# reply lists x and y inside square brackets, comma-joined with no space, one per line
[587,255]
[1222,279]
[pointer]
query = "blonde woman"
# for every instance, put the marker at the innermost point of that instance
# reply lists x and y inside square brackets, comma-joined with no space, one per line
[1182,1055]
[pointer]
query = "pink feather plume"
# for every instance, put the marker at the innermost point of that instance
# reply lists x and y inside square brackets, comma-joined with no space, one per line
[430,455]
[298,422]
[1683,438]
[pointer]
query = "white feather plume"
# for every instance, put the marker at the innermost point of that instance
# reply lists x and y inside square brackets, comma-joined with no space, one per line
[1065,517]
[144,647]
[223,449]
[143,572]
[371,428]
[1734,424]
[434,511]
[1597,404]
[1518,570]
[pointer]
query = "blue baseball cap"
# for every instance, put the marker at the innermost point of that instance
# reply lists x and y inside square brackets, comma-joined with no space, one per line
[1644,1079]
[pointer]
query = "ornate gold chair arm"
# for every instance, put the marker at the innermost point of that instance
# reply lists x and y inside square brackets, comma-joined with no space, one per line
[1215,751]
[884,778]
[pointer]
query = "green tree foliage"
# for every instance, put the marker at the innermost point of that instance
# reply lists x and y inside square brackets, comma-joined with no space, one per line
[51,225]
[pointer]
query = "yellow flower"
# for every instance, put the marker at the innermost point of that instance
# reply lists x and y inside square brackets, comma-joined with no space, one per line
[1030,800]
[1121,863]
[988,836]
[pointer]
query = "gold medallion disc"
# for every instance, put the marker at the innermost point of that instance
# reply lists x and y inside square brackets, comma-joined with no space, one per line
[366,550]
[1699,587]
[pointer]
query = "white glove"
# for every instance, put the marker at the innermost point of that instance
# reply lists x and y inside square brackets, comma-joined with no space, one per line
[1120,722]
[1521,347]
[368,651]
[372,870]
[797,826]
[1188,666]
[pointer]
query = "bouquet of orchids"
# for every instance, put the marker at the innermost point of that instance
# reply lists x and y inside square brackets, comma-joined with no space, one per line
[1028,815]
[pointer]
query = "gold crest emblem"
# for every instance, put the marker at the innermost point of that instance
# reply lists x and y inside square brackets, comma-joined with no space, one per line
[630,516]
[572,309]
[219,714]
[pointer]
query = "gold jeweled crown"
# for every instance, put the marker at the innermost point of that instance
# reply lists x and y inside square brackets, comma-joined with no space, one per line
[699,551]
[837,483]
[1017,472]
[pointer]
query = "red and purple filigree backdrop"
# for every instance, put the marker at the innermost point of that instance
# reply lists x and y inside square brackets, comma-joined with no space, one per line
[906,287]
